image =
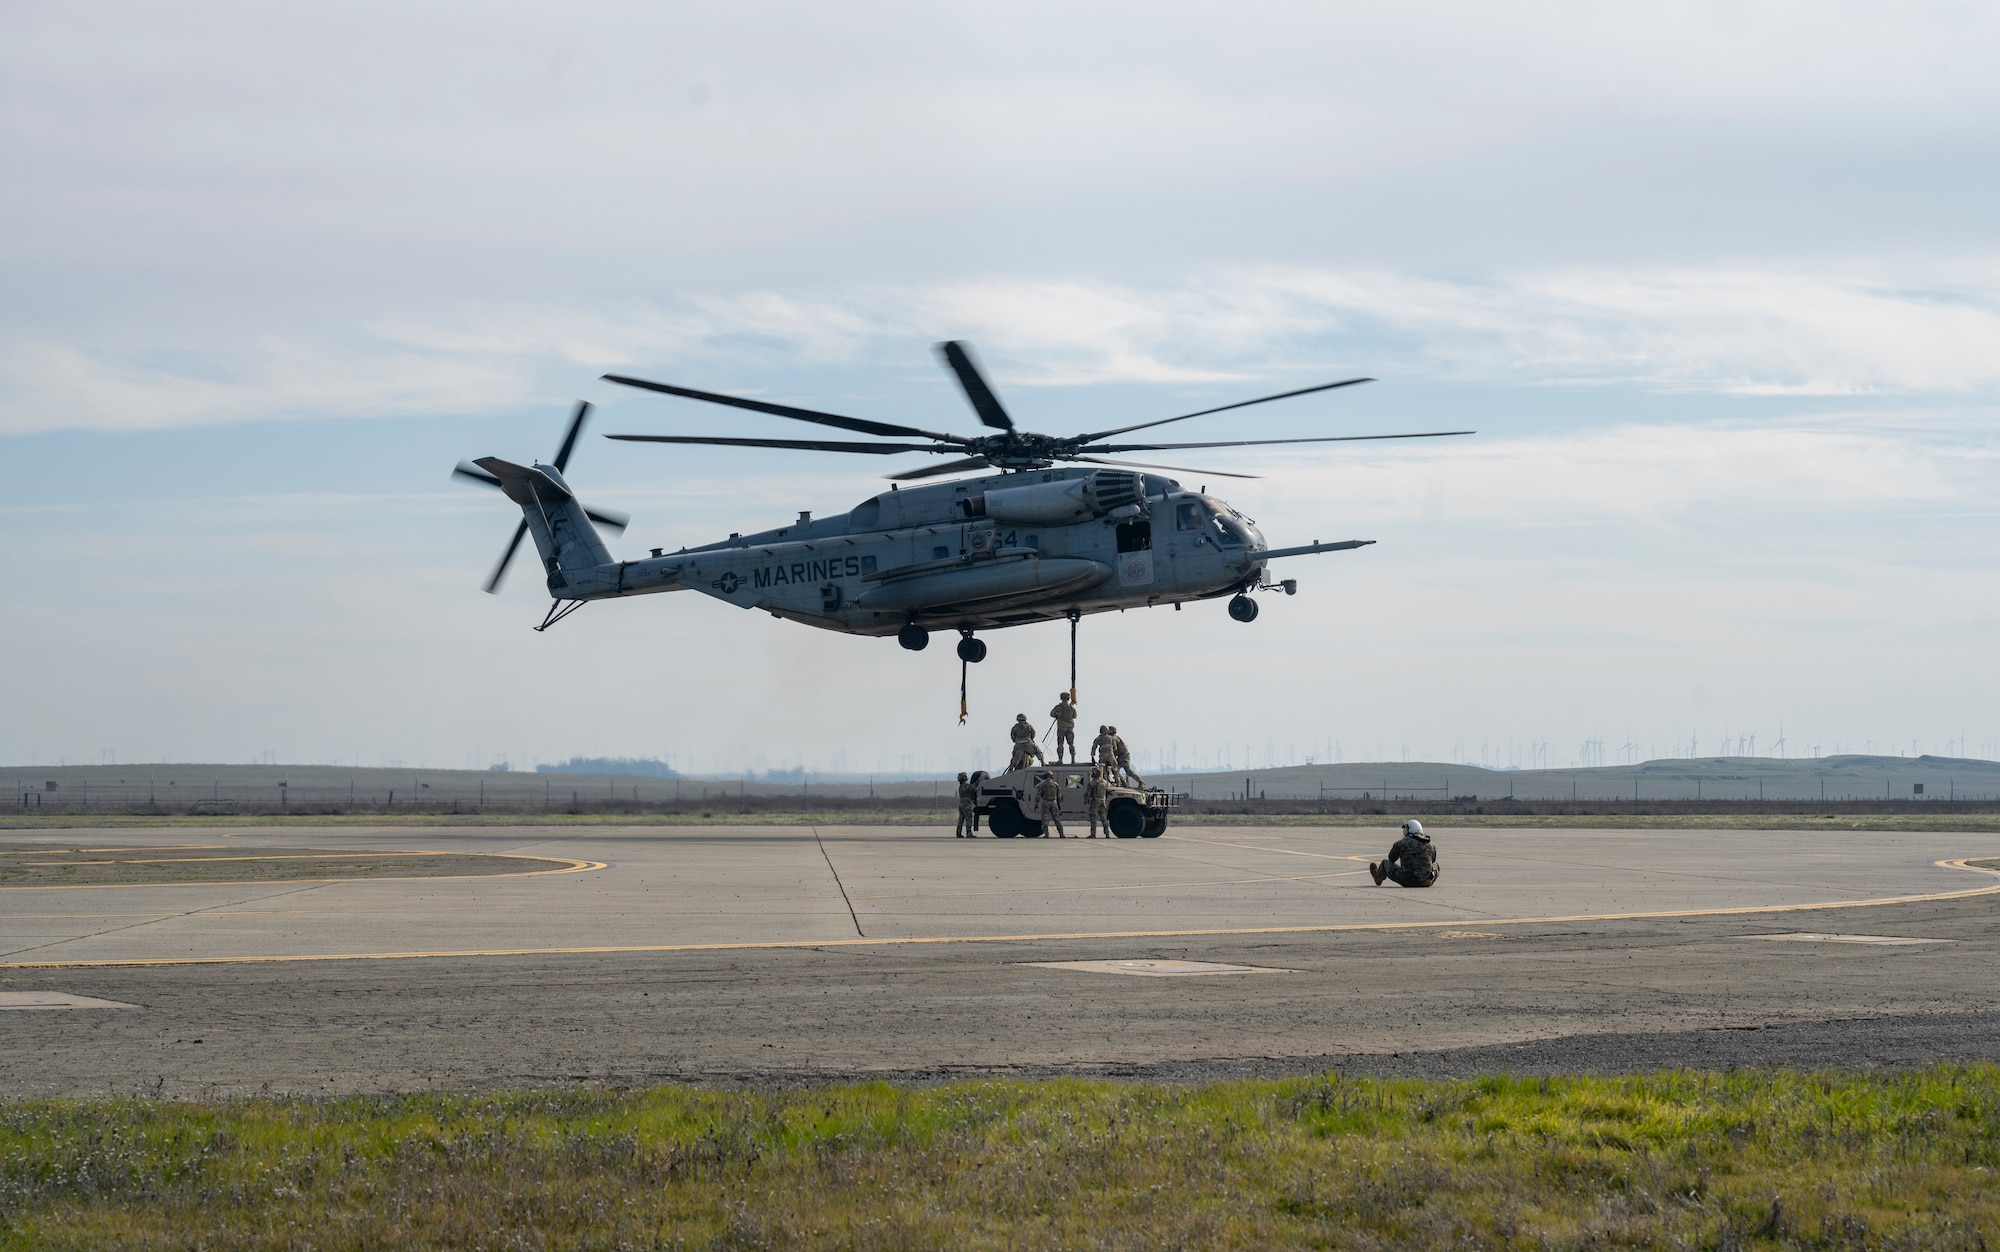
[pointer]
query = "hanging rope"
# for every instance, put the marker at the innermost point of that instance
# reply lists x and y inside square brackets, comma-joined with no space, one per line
[1074,618]
[963,666]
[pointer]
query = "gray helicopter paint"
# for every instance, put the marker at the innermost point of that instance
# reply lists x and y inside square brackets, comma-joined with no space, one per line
[926,555]
[1038,540]
[842,573]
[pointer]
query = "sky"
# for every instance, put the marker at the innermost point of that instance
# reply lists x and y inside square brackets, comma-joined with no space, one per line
[1718,285]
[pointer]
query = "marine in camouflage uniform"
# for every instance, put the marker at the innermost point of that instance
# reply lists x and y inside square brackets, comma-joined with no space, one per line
[968,819]
[1064,714]
[1122,758]
[1094,796]
[1049,792]
[1413,861]
[1101,751]
[1025,748]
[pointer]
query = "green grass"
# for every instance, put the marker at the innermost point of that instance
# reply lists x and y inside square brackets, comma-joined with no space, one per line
[1746,1159]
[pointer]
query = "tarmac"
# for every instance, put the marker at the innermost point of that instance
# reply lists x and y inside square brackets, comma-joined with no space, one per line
[794,954]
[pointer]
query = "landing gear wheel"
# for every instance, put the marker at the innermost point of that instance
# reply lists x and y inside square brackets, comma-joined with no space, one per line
[970,650]
[1126,819]
[1242,608]
[915,637]
[1005,821]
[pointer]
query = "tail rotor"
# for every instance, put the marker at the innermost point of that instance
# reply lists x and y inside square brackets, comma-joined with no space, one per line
[610,519]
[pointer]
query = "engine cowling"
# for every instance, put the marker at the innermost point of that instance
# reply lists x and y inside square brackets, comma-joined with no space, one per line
[1079,499]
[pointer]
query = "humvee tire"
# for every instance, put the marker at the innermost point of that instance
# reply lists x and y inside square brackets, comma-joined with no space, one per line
[1126,818]
[1156,825]
[1006,821]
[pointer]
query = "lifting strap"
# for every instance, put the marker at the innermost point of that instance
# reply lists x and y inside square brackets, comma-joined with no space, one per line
[1074,618]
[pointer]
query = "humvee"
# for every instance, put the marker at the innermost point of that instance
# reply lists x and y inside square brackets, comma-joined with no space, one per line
[1010,807]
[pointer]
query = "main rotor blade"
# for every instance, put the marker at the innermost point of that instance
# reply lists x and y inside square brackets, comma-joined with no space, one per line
[569,440]
[1178,469]
[615,519]
[1252,443]
[500,570]
[984,402]
[803,445]
[467,469]
[949,467]
[863,425]
[1240,404]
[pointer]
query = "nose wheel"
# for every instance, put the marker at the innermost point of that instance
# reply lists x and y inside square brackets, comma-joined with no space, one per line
[1243,609]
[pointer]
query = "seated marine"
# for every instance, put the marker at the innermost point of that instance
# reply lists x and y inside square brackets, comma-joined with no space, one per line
[1412,862]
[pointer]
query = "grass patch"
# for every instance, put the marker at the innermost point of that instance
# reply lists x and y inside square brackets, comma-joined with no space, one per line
[1747,1159]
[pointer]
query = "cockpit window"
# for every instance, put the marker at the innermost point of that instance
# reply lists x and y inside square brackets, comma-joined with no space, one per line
[1231,533]
[1189,516]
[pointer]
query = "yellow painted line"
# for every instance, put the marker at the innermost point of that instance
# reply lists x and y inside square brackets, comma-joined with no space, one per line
[564,866]
[748,946]
[1137,886]
[276,856]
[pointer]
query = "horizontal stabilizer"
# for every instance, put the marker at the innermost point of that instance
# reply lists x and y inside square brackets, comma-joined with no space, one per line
[522,482]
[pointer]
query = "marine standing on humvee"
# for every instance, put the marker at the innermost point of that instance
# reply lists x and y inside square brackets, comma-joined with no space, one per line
[1101,751]
[968,797]
[1122,758]
[1413,862]
[1025,748]
[1064,714]
[1050,793]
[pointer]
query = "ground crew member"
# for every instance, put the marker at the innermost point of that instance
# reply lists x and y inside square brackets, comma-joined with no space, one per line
[1101,752]
[1049,792]
[1122,757]
[1413,862]
[1065,714]
[1093,801]
[1025,748]
[968,819]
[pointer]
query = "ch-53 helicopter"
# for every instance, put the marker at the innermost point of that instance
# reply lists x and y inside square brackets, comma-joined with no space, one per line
[1044,538]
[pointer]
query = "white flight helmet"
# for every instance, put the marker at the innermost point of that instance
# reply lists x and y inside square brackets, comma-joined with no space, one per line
[1413,828]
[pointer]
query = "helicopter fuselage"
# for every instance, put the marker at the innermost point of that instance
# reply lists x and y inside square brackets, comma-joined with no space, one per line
[971,554]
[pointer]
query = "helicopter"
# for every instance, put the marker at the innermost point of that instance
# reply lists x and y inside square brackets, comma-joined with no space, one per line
[1059,532]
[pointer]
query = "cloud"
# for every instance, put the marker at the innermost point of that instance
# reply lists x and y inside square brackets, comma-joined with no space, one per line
[1737,330]
[54,386]
[1679,477]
